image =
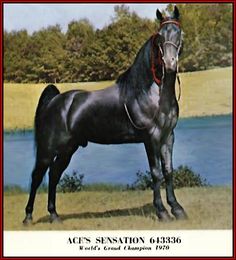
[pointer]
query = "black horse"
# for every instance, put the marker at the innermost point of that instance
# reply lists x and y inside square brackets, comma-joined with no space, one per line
[140,107]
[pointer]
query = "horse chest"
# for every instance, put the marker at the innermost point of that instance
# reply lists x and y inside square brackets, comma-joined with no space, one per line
[168,121]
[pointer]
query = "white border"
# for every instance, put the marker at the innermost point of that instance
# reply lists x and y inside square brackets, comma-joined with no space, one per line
[57,243]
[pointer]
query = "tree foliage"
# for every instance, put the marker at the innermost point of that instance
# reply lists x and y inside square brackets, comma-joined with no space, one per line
[86,54]
[207,36]
[183,176]
[71,183]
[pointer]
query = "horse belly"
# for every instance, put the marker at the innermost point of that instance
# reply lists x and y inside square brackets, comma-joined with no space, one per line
[113,131]
[104,125]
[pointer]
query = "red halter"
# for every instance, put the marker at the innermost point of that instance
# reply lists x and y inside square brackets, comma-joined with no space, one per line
[159,60]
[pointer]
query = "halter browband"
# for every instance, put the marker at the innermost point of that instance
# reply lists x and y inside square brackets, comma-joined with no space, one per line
[169,21]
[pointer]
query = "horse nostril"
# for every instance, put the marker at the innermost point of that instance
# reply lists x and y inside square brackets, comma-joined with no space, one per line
[173,59]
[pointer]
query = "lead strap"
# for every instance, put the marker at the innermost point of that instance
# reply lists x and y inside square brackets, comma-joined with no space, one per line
[179,83]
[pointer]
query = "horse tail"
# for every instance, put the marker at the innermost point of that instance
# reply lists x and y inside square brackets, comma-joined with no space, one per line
[47,95]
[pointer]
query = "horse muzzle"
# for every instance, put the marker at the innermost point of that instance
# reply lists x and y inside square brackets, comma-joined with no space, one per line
[170,64]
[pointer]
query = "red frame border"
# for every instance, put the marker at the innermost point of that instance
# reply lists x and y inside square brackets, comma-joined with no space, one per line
[1,121]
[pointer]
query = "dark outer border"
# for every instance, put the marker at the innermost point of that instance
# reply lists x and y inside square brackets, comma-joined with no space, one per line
[1,121]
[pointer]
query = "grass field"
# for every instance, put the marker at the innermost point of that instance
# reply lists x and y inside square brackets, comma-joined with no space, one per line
[203,93]
[207,208]
[20,101]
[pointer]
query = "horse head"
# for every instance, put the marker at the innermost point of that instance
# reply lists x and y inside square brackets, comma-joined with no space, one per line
[172,34]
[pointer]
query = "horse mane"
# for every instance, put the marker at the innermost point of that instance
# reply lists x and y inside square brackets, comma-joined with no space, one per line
[137,78]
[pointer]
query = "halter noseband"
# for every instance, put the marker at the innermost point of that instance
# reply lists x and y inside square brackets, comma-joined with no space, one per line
[171,43]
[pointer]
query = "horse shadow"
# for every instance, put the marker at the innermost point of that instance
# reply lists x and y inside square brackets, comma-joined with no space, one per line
[146,210]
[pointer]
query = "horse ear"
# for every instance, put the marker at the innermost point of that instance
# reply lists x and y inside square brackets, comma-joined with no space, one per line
[176,13]
[159,15]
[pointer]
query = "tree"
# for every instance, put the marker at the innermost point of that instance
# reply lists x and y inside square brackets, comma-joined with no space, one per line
[79,37]
[83,54]
[48,48]
[116,45]
[207,35]
[16,55]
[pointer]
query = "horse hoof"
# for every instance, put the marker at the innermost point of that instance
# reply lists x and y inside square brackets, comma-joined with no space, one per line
[164,216]
[27,221]
[179,214]
[54,218]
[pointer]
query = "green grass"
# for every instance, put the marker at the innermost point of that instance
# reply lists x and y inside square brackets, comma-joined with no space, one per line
[203,93]
[107,187]
[206,92]
[207,208]
[13,190]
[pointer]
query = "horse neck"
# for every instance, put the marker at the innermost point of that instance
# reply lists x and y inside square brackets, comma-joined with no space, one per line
[168,94]
[141,68]
[138,78]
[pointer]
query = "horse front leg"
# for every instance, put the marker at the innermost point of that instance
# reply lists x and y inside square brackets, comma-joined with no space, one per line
[167,169]
[153,155]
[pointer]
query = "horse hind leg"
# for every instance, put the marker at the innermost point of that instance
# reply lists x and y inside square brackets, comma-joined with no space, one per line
[56,169]
[41,165]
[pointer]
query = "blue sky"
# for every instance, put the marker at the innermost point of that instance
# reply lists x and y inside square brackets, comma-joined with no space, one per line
[36,16]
